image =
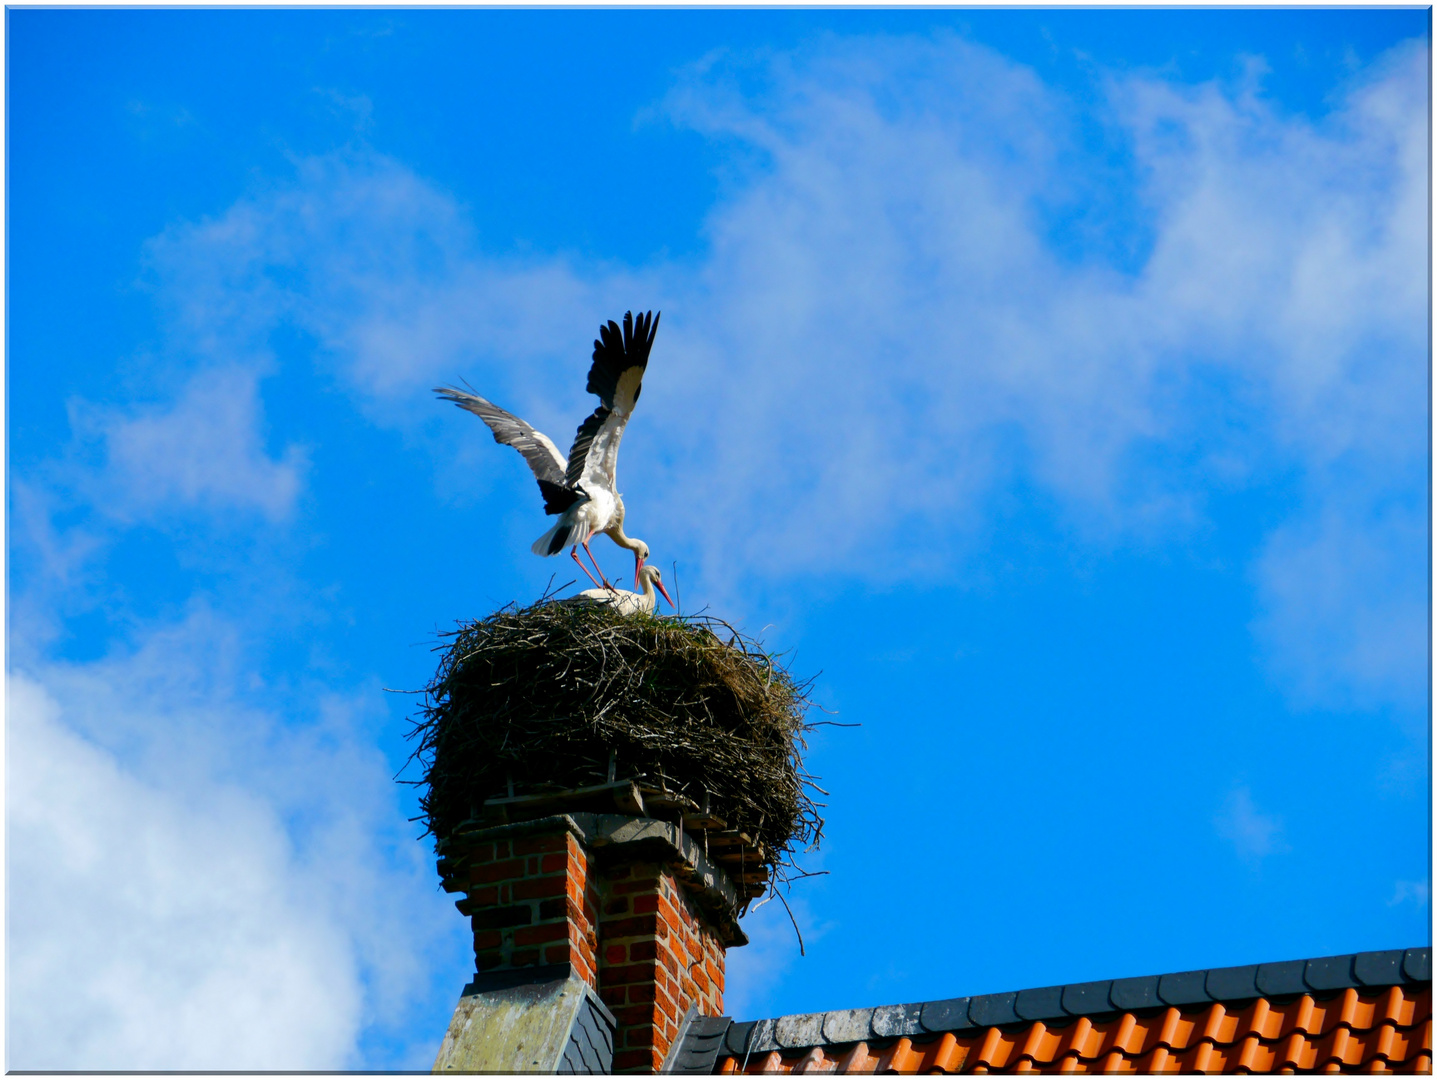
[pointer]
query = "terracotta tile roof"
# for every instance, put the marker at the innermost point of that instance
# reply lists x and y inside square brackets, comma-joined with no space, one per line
[1369,1012]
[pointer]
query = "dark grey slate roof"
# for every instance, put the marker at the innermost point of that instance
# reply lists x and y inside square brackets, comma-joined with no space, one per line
[1322,976]
[701,1045]
[590,1049]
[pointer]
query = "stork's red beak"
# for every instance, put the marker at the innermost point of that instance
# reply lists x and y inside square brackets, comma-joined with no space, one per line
[665,591]
[638,565]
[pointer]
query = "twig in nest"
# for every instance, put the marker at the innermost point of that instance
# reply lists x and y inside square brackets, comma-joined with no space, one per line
[791,919]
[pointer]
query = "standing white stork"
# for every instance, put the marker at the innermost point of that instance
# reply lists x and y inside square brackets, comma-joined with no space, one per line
[583,488]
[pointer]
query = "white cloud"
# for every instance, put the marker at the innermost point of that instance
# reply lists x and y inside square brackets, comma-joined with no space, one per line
[150,932]
[1293,255]
[1418,892]
[1345,598]
[204,450]
[381,268]
[886,330]
[196,883]
[1252,833]
[883,331]
[61,555]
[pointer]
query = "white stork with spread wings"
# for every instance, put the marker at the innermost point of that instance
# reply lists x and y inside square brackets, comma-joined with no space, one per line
[583,488]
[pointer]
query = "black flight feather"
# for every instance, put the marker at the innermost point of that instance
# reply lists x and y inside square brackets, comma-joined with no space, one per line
[615,351]
[557,497]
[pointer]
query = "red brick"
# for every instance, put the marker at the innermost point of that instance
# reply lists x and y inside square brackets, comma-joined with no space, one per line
[538,935]
[633,1015]
[634,1061]
[533,845]
[497,917]
[638,926]
[485,897]
[632,973]
[479,853]
[510,868]
[486,960]
[649,954]
[538,888]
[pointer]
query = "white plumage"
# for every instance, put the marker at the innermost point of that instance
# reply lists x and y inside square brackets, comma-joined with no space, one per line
[583,487]
[628,603]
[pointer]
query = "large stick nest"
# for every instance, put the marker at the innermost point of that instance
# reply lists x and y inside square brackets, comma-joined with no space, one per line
[547,697]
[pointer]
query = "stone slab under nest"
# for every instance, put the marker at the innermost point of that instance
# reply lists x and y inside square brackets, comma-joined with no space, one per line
[562,706]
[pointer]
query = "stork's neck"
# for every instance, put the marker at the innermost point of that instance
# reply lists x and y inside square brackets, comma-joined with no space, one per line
[616,531]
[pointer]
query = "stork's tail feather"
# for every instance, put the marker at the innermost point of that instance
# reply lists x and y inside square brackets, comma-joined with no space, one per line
[553,541]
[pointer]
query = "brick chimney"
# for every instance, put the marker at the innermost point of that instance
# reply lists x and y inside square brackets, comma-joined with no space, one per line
[597,937]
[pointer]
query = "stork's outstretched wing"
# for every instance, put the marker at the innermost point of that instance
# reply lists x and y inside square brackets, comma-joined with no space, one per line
[616,375]
[543,457]
[620,359]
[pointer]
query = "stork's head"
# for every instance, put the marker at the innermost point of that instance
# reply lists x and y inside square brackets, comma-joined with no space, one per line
[651,573]
[641,556]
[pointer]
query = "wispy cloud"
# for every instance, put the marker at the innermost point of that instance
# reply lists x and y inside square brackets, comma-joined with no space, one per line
[1252,833]
[1345,599]
[890,326]
[1416,892]
[204,450]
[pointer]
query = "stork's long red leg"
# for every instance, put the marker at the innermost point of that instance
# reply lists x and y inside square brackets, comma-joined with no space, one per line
[574,554]
[596,567]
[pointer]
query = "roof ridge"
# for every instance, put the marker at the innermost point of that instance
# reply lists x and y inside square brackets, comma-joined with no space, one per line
[1367,971]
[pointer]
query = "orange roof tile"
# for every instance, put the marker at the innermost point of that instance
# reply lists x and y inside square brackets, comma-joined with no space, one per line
[1176,1024]
[1385,1032]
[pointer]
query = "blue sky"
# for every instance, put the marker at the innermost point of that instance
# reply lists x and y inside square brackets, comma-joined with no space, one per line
[1050,384]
